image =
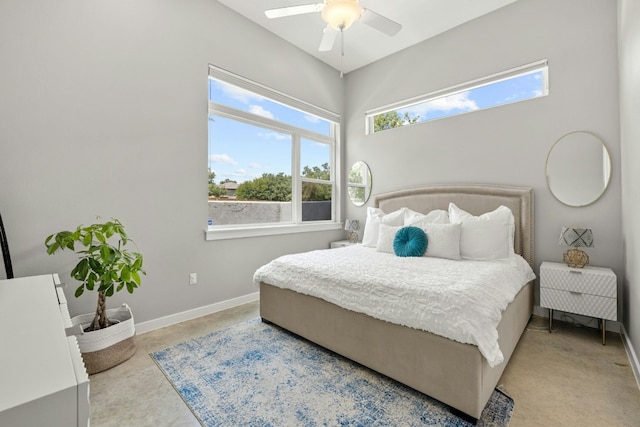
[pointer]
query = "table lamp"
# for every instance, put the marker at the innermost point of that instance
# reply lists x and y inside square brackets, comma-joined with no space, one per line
[351,226]
[576,238]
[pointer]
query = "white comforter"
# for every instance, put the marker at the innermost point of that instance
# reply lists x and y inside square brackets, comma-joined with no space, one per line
[459,300]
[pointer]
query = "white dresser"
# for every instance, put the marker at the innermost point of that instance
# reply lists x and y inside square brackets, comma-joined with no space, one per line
[42,377]
[589,291]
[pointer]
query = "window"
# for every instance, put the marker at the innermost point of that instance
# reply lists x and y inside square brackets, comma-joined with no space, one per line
[518,84]
[272,161]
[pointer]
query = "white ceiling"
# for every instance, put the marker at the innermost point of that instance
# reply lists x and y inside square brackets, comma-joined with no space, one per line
[420,19]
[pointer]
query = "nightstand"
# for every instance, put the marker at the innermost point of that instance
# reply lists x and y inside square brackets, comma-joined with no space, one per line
[341,244]
[589,291]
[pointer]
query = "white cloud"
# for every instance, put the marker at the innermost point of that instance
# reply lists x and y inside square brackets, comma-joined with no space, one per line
[274,135]
[239,173]
[311,119]
[457,101]
[222,158]
[239,94]
[260,111]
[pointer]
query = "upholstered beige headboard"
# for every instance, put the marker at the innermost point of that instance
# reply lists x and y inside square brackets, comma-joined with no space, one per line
[475,199]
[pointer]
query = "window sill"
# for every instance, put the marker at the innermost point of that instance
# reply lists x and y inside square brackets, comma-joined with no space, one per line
[223,233]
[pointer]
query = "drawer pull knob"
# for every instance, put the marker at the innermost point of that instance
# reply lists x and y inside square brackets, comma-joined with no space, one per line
[576,271]
[575,293]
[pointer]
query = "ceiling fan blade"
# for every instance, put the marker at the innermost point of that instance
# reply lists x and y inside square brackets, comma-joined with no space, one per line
[328,38]
[293,10]
[380,23]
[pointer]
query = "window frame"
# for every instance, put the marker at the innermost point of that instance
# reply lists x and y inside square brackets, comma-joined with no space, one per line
[541,65]
[296,225]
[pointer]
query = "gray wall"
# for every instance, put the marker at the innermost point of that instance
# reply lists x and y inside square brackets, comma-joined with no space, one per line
[509,144]
[629,34]
[103,108]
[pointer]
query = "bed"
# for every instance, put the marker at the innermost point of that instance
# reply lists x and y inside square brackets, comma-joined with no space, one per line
[457,374]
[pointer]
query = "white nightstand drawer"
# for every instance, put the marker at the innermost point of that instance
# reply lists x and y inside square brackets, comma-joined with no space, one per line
[588,280]
[579,303]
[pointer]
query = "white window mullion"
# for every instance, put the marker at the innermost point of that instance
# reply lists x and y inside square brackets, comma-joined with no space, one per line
[296,182]
[257,120]
[316,180]
[336,174]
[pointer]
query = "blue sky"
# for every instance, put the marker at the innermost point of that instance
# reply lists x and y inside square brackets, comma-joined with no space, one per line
[242,152]
[516,89]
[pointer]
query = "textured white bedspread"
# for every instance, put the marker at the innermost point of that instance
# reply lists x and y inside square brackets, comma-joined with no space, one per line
[459,300]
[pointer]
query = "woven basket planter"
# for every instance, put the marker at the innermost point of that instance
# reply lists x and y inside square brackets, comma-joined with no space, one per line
[106,348]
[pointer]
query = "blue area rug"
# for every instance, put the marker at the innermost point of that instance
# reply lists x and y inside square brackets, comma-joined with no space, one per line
[256,374]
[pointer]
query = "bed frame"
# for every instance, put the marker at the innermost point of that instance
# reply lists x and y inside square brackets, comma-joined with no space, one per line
[454,373]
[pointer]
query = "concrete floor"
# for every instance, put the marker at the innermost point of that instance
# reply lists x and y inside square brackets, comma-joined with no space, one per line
[566,378]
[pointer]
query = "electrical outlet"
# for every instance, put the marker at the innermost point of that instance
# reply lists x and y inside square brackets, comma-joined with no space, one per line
[193,278]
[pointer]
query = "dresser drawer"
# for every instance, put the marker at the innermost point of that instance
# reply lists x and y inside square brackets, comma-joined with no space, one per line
[579,303]
[593,281]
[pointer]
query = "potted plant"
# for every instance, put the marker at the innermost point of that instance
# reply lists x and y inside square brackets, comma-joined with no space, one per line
[107,267]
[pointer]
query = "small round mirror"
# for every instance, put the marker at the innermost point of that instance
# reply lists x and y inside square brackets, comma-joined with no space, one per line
[578,168]
[359,183]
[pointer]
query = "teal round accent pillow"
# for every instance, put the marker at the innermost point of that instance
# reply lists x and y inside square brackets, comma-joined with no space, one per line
[410,241]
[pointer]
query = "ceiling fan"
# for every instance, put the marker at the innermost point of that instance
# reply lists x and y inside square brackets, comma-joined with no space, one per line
[339,15]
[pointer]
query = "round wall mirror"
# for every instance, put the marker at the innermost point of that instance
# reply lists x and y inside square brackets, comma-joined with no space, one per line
[578,168]
[359,183]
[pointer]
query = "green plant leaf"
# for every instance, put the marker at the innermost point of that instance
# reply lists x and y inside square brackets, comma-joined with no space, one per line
[125,274]
[104,253]
[135,277]
[109,291]
[87,239]
[81,270]
[62,237]
[137,265]
[51,249]
[95,265]
[79,291]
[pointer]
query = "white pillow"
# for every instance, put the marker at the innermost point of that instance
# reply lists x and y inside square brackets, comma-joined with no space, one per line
[485,237]
[443,240]
[386,237]
[436,216]
[375,217]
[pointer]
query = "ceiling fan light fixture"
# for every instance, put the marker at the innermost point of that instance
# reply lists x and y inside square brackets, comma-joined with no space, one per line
[340,14]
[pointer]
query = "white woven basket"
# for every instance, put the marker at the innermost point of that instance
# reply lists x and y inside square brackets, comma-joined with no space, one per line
[103,338]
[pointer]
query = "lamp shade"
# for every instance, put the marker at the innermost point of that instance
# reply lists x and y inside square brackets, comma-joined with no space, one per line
[576,237]
[340,14]
[352,225]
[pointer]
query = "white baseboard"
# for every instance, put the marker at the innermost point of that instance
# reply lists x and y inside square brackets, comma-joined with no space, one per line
[172,319]
[631,354]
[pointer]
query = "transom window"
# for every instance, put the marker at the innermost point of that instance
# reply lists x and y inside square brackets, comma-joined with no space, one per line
[272,159]
[518,84]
